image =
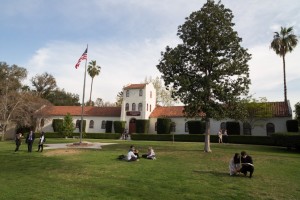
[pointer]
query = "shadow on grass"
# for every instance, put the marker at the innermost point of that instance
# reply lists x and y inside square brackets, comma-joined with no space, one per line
[215,173]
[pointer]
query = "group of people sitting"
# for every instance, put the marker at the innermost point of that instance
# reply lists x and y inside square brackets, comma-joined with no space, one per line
[241,163]
[133,154]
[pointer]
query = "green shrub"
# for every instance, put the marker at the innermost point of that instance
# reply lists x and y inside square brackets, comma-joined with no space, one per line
[163,126]
[142,126]
[196,127]
[292,125]
[57,125]
[233,128]
[119,126]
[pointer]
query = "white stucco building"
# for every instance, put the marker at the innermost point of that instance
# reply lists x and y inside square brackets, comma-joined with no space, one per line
[139,102]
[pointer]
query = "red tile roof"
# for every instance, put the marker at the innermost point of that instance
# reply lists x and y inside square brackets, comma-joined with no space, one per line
[135,86]
[88,111]
[171,111]
[280,109]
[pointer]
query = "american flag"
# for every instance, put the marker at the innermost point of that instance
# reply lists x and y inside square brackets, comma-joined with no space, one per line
[83,57]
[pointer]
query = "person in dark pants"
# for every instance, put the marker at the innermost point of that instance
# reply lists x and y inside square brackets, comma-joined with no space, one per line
[29,140]
[18,141]
[247,164]
[41,142]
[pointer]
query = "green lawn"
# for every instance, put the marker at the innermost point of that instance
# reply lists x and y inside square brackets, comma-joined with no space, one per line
[181,171]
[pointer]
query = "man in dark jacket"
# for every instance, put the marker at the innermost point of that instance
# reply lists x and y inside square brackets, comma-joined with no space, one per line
[247,164]
[29,140]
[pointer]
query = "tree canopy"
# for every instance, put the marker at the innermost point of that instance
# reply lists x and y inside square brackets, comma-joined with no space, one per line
[209,70]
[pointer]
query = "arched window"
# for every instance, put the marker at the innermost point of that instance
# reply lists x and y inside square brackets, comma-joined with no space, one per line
[127,93]
[270,128]
[246,128]
[173,127]
[77,123]
[91,124]
[42,122]
[150,107]
[150,94]
[103,124]
[133,107]
[186,127]
[223,127]
[140,107]
[127,107]
[141,92]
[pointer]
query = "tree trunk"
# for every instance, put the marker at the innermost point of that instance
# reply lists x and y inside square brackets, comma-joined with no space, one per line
[207,136]
[90,102]
[284,79]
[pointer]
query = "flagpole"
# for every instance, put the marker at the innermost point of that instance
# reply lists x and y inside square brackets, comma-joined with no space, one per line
[82,105]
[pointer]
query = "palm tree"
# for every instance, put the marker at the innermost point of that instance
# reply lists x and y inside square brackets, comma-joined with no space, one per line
[283,42]
[93,71]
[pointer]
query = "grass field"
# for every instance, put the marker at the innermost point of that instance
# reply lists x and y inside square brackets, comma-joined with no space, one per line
[181,171]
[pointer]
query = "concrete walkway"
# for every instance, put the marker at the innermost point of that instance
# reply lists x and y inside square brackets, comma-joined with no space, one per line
[83,145]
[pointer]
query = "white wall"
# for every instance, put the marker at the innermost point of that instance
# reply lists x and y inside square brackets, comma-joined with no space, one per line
[97,123]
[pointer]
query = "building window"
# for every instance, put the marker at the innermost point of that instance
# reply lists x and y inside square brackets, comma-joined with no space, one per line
[150,107]
[246,128]
[127,107]
[150,94]
[133,107]
[140,107]
[147,107]
[78,123]
[103,124]
[42,122]
[127,93]
[141,92]
[270,129]
[186,127]
[91,124]
[173,127]
[155,126]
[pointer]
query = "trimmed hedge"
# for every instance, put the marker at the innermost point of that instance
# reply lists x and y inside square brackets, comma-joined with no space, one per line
[292,126]
[289,140]
[142,125]
[87,135]
[163,125]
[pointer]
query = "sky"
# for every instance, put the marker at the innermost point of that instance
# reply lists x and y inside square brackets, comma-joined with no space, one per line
[126,38]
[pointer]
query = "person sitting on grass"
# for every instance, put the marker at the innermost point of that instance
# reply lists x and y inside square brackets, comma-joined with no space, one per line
[234,164]
[247,164]
[150,154]
[131,156]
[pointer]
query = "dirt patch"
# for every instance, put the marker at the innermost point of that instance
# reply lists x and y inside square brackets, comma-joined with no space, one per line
[58,152]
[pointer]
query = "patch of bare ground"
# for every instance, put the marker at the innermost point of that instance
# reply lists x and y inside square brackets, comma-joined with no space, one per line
[59,152]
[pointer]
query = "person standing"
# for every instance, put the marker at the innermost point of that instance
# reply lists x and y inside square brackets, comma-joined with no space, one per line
[41,142]
[18,141]
[29,140]
[225,139]
[247,164]
[220,136]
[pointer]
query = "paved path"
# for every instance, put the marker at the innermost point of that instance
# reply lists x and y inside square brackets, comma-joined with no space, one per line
[84,145]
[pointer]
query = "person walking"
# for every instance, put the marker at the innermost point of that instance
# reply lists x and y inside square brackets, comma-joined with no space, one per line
[41,142]
[18,141]
[29,140]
